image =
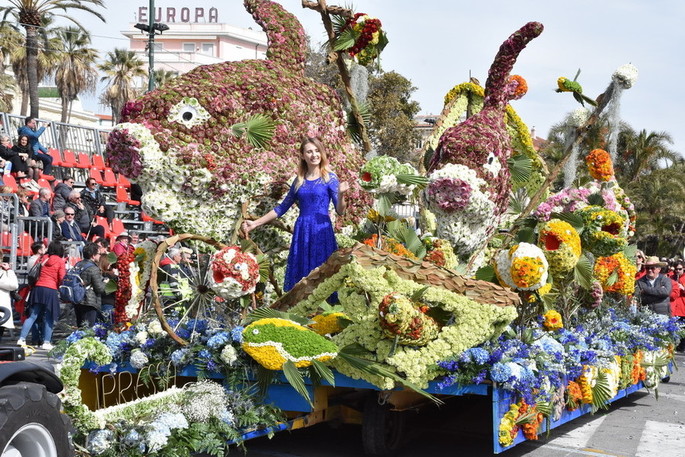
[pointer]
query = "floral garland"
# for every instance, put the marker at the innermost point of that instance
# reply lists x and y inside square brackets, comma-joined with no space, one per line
[522,267]
[560,243]
[623,269]
[122,297]
[234,273]
[70,371]
[272,342]
[599,165]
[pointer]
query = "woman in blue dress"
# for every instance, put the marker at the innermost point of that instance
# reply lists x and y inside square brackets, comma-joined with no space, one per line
[313,190]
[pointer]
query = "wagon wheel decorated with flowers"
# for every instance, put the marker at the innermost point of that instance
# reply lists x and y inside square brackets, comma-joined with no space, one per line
[214,282]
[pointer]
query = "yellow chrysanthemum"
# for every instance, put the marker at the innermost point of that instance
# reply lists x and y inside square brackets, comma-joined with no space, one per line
[624,270]
[561,244]
[327,323]
[552,320]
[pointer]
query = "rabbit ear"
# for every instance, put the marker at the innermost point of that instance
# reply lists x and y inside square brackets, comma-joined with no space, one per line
[287,43]
[496,94]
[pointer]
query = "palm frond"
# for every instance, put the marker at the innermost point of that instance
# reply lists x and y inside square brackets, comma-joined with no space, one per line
[582,273]
[270,313]
[402,233]
[323,371]
[295,379]
[601,393]
[520,167]
[259,130]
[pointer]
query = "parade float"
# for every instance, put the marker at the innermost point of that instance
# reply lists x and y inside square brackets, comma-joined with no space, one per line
[528,308]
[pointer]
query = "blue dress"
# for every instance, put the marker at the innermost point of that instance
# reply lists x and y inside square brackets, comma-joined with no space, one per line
[313,238]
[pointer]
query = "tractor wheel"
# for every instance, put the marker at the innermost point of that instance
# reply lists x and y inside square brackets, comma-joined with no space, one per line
[382,429]
[31,424]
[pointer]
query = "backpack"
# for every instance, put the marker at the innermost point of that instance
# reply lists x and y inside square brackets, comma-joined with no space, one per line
[72,289]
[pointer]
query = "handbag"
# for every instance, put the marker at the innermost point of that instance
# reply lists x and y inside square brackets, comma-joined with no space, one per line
[34,273]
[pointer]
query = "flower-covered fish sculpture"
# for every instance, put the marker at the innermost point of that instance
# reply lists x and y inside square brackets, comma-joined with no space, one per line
[482,145]
[186,143]
[271,342]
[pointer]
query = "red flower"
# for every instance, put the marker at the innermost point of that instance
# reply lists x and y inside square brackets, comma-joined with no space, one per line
[366,176]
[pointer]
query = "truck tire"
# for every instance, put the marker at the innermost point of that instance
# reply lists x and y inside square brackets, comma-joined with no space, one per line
[31,424]
[382,429]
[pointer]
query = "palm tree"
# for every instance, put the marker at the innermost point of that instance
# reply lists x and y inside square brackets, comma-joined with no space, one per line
[30,15]
[642,153]
[75,71]
[7,90]
[121,68]
[164,76]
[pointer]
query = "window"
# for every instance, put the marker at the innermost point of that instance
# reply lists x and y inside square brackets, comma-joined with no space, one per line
[188,47]
[208,48]
[159,46]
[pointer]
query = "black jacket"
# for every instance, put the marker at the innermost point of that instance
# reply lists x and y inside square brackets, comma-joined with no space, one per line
[656,297]
[92,280]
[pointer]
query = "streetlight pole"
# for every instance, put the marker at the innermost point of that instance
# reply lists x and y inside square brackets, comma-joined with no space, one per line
[151,48]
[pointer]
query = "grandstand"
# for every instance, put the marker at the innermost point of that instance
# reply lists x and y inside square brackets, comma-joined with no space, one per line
[80,152]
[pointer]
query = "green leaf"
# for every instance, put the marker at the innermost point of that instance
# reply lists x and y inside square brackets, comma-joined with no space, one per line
[582,273]
[419,181]
[408,237]
[601,393]
[487,273]
[418,295]
[295,379]
[595,199]
[575,220]
[323,371]
[611,280]
[526,235]
[110,286]
[112,257]
[345,40]
[258,130]
[270,313]
[352,124]
[385,202]
[264,378]
[630,251]
[520,167]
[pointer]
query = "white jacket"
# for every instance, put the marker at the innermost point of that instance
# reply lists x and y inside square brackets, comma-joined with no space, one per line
[8,283]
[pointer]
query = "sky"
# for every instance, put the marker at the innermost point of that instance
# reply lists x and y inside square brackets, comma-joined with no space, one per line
[439,44]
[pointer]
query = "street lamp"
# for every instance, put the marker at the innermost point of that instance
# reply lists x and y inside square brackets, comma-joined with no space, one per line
[152,29]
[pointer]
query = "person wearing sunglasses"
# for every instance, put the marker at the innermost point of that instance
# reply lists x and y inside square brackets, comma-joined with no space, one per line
[655,288]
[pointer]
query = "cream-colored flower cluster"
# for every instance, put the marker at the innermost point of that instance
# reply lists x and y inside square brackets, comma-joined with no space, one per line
[522,267]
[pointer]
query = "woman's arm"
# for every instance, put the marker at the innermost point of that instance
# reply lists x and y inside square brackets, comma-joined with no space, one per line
[248,226]
[342,203]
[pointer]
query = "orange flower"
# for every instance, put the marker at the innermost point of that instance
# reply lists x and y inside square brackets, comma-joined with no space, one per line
[521,88]
[599,165]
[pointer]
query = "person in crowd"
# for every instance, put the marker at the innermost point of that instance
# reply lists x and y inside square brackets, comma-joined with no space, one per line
[95,201]
[89,310]
[122,244]
[8,284]
[186,264]
[6,152]
[38,249]
[62,192]
[24,203]
[640,264]
[678,297]
[6,204]
[44,298]
[170,275]
[40,207]
[108,274]
[24,165]
[57,218]
[655,288]
[70,229]
[103,244]
[40,152]
[85,220]
[313,189]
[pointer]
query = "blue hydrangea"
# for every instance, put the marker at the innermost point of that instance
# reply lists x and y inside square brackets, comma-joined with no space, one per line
[173,420]
[219,340]
[479,355]
[237,334]
[180,357]
[75,336]
[204,354]
[500,372]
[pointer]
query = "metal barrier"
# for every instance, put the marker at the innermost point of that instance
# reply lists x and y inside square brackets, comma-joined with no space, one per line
[60,135]
[8,227]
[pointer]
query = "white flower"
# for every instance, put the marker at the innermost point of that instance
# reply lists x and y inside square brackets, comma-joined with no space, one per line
[228,355]
[157,437]
[141,337]
[578,117]
[173,420]
[138,359]
[625,75]
[155,329]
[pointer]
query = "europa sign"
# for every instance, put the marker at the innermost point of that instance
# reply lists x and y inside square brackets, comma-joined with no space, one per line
[171,14]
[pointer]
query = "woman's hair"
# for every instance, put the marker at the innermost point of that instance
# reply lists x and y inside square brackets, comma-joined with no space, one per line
[104,263]
[55,248]
[6,190]
[302,167]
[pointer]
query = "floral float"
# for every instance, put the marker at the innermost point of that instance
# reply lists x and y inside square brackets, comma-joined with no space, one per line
[560,243]
[383,174]
[234,273]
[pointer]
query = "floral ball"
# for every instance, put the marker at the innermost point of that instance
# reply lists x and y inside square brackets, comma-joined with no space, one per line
[234,273]
[552,320]
[379,175]
[621,268]
[604,233]
[599,165]
[403,319]
[561,244]
[523,267]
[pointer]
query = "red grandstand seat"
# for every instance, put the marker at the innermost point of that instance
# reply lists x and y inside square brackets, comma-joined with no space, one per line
[123,181]
[42,182]
[56,157]
[95,174]
[83,160]
[69,159]
[109,180]
[10,181]
[117,226]
[147,218]
[98,162]
[6,239]
[122,197]
[103,222]
[45,177]
[24,245]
